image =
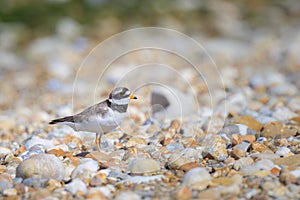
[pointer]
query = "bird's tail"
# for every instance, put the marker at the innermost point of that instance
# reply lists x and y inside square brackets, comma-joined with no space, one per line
[64,119]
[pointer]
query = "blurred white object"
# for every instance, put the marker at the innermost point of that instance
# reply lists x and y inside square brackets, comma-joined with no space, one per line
[171,103]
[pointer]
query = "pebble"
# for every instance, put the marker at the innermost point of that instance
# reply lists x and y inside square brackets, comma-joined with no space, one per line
[53,184]
[35,182]
[142,179]
[5,182]
[144,166]
[284,152]
[238,153]
[229,185]
[184,193]
[85,170]
[283,114]
[76,187]
[136,142]
[215,147]
[41,165]
[6,123]
[172,147]
[248,122]
[59,150]
[100,157]
[265,155]
[243,162]
[291,177]
[96,181]
[240,129]
[128,195]
[197,178]
[259,147]
[274,129]
[244,146]
[35,140]
[4,152]
[267,79]
[178,159]
[260,168]
[293,160]
[10,192]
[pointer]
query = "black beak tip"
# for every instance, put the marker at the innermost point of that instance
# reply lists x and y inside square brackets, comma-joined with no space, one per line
[134,97]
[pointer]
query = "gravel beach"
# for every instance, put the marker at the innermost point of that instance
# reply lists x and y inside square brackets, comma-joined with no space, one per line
[176,142]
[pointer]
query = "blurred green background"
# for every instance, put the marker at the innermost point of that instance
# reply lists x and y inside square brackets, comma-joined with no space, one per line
[40,17]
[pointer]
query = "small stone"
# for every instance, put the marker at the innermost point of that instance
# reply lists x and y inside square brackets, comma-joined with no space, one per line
[7,123]
[209,194]
[100,157]
[229,161]
[261,173]
[172,147]
[76,187]
[144,166]
[228,181]
[239,129]
[153,129]
[249,121]
[59,150]
[128,195]
[238,153]
[243,162]
[35,182]
[85,170]
[142,179]
[178,159]
[236,139]
[96,181]
[41,165]
[284,152]
[274,129]
[20,187]
[4,151]
[275,170]
[175,124]
[283,113]
[259,147]
[188,166]
[197,178]
[261,139]
[266,79]
[265,155]
[5,182]
[136,142]
[34,140]
[290,177]
[249,138]
[53,184]
[10,192]
[260,168]
[293,160]
[244,146]
[184,193]
[215,147]
[296,119]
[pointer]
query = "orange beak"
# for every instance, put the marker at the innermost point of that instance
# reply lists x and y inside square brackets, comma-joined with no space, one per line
[132,96]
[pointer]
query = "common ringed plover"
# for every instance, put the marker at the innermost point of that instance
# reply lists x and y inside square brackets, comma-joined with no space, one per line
[102,117]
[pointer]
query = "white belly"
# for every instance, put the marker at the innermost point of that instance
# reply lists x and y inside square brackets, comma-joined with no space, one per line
[99,123]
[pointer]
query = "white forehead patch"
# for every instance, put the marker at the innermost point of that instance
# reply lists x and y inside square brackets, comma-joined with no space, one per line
[127,93]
